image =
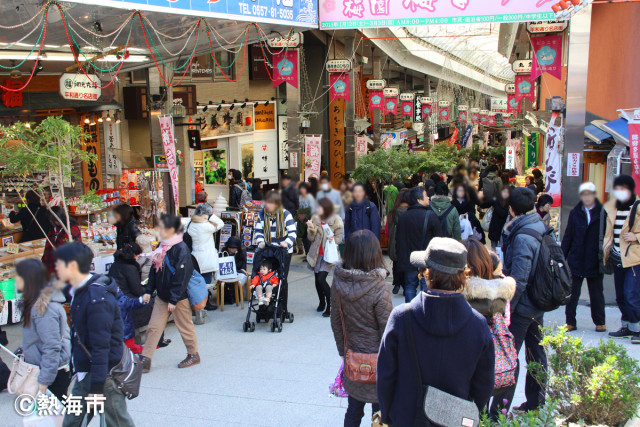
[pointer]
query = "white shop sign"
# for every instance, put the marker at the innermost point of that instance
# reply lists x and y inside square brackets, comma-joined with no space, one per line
[283,142]
[546,26]
[293,40]
[80,87]
[522,66]
[338,65]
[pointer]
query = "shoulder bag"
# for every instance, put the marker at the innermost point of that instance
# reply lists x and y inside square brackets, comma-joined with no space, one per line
[608,267]
[24,376]
[358,367]
[436,407]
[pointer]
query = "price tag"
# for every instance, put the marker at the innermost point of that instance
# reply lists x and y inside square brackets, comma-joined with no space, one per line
[13,248]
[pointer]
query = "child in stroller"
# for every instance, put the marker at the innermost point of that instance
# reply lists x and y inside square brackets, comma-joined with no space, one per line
[275,307]
[264,282]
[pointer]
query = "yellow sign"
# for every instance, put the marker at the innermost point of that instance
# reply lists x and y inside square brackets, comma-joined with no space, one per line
[13,248]
[265,116]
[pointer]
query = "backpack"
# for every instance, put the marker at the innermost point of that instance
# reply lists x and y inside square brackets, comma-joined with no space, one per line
[367,211]
[549,284]
[187,239]
[245,196]
[443,221]
[505,354]
[490,187]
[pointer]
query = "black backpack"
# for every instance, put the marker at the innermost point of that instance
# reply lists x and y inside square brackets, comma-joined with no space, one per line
[187,239]
[549,284]
[443,221]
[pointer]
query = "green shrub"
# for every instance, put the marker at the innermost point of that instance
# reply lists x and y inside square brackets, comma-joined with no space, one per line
[544,417]
[599,385]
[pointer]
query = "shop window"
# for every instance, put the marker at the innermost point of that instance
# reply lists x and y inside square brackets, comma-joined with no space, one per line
[204,68]
[247,160]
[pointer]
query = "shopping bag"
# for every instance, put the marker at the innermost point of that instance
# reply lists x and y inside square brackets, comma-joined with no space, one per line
[47,412]
[226,267]
[331,252]
[465,227]
[337,387]
[486,220]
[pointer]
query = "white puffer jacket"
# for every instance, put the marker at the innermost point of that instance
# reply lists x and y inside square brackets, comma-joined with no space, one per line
[201,231]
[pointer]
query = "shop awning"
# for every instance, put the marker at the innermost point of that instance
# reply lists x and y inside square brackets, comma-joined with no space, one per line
[34,102]
[619,130]
[595,134]
[132,160]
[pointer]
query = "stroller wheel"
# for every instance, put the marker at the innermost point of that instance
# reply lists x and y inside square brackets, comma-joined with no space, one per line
[290,317]
[245,326]
[279,325]
[253,326]
[273,326]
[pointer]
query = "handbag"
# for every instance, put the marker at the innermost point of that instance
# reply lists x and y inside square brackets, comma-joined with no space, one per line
[436,407]
[127,374]
[24,376]
[358,367]
[486,219]
[337,387]
[602,267]
[197,290]
[331,254]
[226,266]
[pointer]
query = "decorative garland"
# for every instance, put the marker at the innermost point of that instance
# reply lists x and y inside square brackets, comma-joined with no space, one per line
[145,25]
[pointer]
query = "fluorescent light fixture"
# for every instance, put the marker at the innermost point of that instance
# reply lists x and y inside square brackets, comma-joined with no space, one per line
[60,56]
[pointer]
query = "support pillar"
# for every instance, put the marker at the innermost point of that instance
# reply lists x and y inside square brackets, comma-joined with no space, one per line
[296,141]
[349,113]
[578,65]
[377,63]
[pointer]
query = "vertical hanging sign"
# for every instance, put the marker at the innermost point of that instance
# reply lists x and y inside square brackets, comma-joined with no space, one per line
[336,141]
[168,143]
[547,56]
[112,135]
[339,86]
[484,116]
[552,160]
[312,156]
[92,171]
[634,147]
[391,100]
[417,109]
[427,103]
[407,104]
[285,68]
[376,97]
[524,88]
[362,145]
[513,105]
[443,111]
[475,116]
[463,111]
[506,119]
[491,119]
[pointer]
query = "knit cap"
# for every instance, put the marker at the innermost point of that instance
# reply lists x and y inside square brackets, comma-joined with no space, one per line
[443,254]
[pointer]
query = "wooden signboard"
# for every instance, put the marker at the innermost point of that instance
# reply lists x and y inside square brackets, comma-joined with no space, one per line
[92,171]
[337,141]
[264,116]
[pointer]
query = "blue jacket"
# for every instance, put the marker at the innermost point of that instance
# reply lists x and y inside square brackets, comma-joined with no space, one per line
[520,253]
[127,305]
[358,217]
[96,322]
[455,352]
[581,241]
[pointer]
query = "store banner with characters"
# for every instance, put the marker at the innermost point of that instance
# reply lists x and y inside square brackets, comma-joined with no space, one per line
[513,105]
[475,116]
[634,147]
[426,110]
[524,88]
[169,146]
[407,108]
[339,86]
[285,68]
[553,145]
[462,115]
[312,156]
[391,105]
[444,111]
[375,100]
[547,56]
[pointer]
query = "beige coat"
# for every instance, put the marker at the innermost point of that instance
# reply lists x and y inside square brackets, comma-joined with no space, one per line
[630,251]
[317,236]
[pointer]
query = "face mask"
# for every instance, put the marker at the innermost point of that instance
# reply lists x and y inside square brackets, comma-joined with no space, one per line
[622,195]
[324,186]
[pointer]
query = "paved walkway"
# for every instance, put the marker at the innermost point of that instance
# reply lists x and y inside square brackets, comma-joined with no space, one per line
[260,378]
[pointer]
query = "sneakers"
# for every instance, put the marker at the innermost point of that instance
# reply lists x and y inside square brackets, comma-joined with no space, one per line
[601,328]
[621,333]
[635,339]
[146,364]
[190,360]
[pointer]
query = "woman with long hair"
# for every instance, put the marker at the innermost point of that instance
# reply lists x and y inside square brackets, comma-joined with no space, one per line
[361,304]
[465,200]
[45,332]
[275,226]
[57,235]
[499,215]
[170,274]
[125,221]
[325,226]
[306,209]
[400,206]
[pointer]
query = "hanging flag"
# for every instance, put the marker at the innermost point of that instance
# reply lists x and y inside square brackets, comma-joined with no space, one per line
[362,145]
[443,111]
[513,105]
[467,138]
[285,68]
[375,100]
[426,111]
[506,120]
[475,116]
[483,117]
[532,150]
[312,155]
[169,146]
[524,88]
[462,116]
[407,108]
[391,105]
[547,56]
[634,147]
[552,160]
[491,119]
[339,86]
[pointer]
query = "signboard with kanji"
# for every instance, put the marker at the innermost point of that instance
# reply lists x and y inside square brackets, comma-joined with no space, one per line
[337,141]
[91,171]
[573,164]
[112,141]
[80,87]
[12,98]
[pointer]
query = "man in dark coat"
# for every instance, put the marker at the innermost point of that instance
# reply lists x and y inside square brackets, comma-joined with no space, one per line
[97,336]
[361,214]
[290,195]
[237,188]
[581,245]
[416,227]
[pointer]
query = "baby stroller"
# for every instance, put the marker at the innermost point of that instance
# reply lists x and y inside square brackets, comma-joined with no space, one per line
[276,310]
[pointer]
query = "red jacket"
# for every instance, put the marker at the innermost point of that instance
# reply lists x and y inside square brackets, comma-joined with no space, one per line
[58,237]
[273,279]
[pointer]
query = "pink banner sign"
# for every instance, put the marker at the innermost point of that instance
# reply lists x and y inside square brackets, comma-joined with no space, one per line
[312,155]
[547,56]
[524,88]
[426,110]
[462,116]
[513,105]
[475,118]
[552,161]
[407,108]
[168,143]
[506,121]
[491,120]
[285,68]
[339,86]
[391,106]
[375,100]
[443,113]
[362,145]
[634,148]
[483,119]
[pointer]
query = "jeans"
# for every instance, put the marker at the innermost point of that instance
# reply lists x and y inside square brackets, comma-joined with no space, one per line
[208,277]
[525,331]
[627,282]
[355,412]
[596,298]
[115,405]
[411,282]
